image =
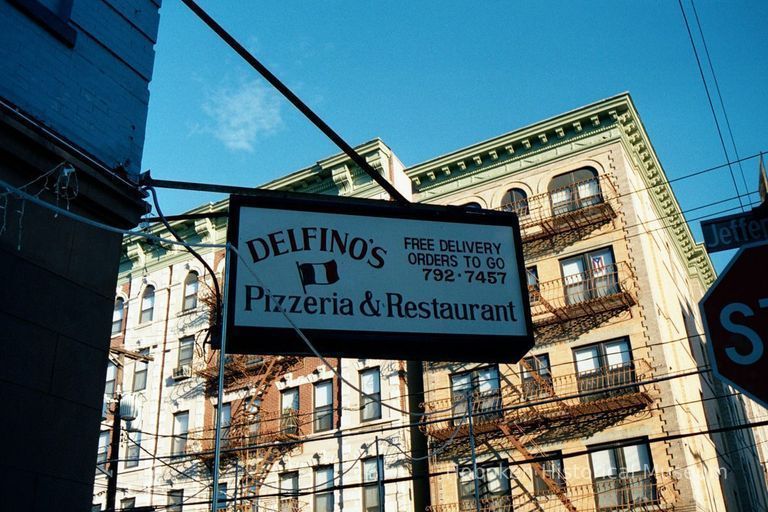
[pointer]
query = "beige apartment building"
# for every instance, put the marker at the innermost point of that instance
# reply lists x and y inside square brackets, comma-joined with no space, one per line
[580,424]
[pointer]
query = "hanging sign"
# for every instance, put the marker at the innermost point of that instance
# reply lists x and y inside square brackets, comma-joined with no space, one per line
[365,278]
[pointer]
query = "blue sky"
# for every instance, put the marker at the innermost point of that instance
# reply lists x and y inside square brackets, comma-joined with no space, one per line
[429,77]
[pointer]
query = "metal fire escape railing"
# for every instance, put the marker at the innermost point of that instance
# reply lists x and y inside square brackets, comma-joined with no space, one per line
[254,439]
[645,492]
[607,288]
[616,390]
[579,205]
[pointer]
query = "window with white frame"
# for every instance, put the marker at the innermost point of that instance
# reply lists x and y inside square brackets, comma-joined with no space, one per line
[117,316]
[589,276]
[605,369]
[574,190]
[128,503]
[492,485]
[109,385]
[103,450]
[133,450]
[191,284]
[373,489]
[323,406]
[515,200]
[323,500]
[289,406]
[553,469]
[186,351]
[537,377]
[623,477]
[147,311]
[482,387]
[140,370]
[175,502]
[180,432]
[370,399]
[221,499]
[289,491]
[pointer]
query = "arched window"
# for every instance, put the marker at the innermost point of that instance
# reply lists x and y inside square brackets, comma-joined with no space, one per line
[117,316]
[473,204]
[515,200]
[191,284]
[574,190]
[147,305]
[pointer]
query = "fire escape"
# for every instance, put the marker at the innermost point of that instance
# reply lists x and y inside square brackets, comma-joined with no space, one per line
[254,439]
[531,407]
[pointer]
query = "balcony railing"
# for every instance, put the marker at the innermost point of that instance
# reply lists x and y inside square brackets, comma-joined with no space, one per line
[642,493]
[587,203]
[615,388]
[608,288]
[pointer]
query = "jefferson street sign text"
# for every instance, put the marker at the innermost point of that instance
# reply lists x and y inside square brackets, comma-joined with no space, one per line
[365,278]
[736,230]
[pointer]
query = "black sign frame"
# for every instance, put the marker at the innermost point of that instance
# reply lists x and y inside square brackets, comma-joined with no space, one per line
[365,344]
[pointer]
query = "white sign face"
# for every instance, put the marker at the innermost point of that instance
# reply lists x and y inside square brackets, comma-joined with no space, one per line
[360,273]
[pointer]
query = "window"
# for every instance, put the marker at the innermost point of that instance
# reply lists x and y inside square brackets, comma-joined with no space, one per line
[128,503]
[101,454]
[95,507]
[226,422]
[289,407]
[175,500]
[623,477]
[534,290]
[133,450]
[473,205]
[370,400]
[574,190]
[191,284]
[180,432]
[147,305]
[109,386]
[482,385]
[186,351]
[289,491]
[553,468]
[140,368]
[603,366]
[117,316]
[589,276]
[537,378]
[323,489]
[221,499]
[373,489]
[323,406]
[492,481]
[515,200]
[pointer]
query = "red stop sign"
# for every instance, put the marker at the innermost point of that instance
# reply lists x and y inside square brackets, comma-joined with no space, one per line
[735,313]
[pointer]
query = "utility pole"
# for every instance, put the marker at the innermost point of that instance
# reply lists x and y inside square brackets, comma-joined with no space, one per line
[114,450]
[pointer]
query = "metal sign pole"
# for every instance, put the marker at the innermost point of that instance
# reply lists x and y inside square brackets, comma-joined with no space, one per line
[472,448]
[220,394]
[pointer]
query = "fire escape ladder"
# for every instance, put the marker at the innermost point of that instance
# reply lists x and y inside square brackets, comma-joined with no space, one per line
[537,468]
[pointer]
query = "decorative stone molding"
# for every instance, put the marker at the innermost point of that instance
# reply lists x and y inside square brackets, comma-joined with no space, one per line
[342,178]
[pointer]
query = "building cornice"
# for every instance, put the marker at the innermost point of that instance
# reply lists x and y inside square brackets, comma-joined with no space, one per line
[606,121]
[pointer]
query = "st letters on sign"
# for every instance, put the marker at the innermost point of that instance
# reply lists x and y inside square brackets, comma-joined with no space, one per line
[365,278]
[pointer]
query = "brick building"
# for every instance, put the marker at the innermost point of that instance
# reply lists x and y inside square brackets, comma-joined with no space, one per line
[614,277]
[73,106]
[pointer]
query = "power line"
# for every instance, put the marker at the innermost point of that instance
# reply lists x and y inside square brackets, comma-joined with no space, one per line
[719,94]
[296,101]
[709,98]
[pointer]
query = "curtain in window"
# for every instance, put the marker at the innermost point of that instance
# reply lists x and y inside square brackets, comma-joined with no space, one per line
[460,385]
[603,272]
[589,192]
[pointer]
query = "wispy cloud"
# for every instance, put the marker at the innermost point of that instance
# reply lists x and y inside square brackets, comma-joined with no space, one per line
[239,114]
